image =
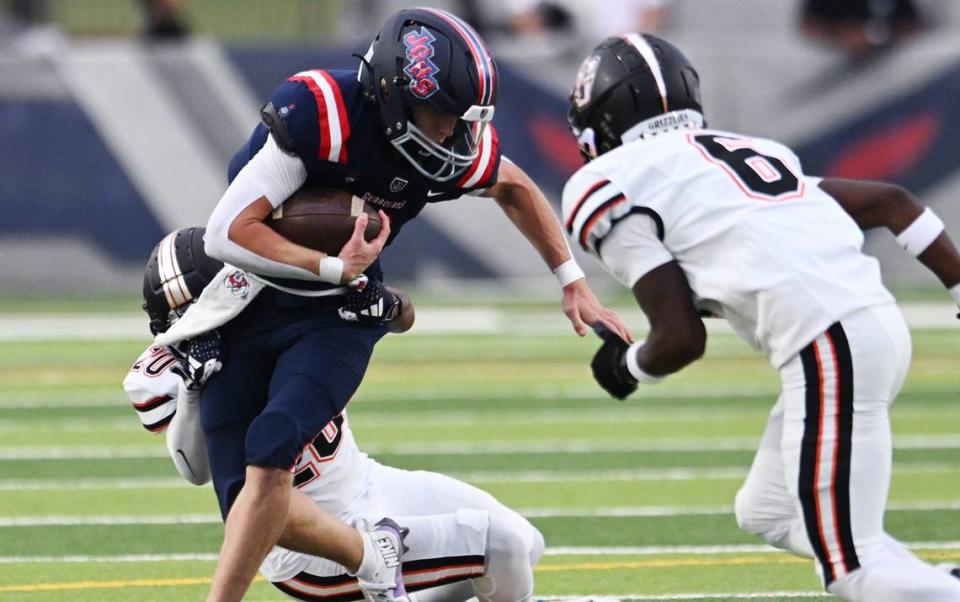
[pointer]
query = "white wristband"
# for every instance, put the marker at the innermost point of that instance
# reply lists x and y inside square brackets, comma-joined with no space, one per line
[955,291]
[331,269]
[634,368]
[921,232]
[567,272]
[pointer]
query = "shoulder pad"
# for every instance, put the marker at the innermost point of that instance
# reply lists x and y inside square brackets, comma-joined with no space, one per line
[278,127]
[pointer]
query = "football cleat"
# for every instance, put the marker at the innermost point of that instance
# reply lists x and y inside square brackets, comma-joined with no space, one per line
[382,579]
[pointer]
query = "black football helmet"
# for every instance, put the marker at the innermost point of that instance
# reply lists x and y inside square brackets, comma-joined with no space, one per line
[175,275]
[632,86]
[426,56]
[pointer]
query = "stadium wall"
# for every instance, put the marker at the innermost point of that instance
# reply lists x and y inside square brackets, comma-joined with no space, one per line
[110,144]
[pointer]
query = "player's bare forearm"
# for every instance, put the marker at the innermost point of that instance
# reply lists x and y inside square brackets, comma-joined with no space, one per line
[874,204]
[677,335]
[530,211]
[942,258]
[877,204]
[250,232]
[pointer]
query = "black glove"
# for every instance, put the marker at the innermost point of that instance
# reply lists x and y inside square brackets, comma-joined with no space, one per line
[610,364]
[370,303]
[199,359]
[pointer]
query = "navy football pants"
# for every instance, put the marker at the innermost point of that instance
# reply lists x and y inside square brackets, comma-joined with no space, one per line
[289,366]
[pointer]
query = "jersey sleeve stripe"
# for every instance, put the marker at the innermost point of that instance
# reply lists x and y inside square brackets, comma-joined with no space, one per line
[595,216]
[579,204]
[160,425]
[331,114]
[343,118]
[481,168]
[150,404]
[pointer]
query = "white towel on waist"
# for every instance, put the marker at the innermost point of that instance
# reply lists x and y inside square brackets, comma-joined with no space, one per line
[223,299]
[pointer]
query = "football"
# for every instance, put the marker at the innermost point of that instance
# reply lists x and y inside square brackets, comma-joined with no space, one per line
[322,218]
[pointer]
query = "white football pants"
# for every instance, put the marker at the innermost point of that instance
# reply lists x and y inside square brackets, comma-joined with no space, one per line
[819,482]
[462,543]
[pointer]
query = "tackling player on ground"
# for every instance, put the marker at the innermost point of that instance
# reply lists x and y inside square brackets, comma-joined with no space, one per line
[461,543]
[700,222]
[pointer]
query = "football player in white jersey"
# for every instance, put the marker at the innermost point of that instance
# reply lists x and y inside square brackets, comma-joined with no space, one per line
[459,542]
[703,222]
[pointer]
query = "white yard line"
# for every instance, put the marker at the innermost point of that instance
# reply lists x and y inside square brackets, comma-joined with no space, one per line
[613,512]
[17,452]
[105,558]
[558,551]
[537,476]
[691,596]
[715,549]
[432,320]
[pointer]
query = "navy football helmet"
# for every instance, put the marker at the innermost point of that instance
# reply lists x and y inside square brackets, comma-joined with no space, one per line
[425,56]
[176,273]
[632,86]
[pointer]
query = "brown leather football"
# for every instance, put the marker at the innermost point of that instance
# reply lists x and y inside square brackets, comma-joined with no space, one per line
[322,218]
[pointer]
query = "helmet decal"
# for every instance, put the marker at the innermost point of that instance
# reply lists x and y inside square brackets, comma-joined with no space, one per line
[171,278]
[421,70]
[486,73]
[586,75]
[643,47]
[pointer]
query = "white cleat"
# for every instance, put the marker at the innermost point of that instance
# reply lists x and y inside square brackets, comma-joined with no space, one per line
[381,579]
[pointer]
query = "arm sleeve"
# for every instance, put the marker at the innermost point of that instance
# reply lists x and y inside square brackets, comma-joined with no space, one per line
[273,174]
[632,248]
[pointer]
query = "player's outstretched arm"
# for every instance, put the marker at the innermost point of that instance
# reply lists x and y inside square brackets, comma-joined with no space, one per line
[677,334]
[526,206]
[918,229]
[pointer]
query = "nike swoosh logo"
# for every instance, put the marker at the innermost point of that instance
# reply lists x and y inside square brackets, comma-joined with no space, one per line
[433,193]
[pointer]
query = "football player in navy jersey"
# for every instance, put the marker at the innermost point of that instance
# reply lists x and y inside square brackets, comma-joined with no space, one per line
[411,126]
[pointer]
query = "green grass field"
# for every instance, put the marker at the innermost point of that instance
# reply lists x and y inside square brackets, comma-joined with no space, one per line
[633,498]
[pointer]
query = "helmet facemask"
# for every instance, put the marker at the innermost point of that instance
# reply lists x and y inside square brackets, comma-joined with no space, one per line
[444,161]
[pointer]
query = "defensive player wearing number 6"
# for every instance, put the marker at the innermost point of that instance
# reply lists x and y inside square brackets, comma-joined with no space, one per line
[704,222]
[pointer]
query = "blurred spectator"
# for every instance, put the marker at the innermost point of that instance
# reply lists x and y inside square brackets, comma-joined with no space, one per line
[860,26]
[164,19]
[591,19]
[27,12]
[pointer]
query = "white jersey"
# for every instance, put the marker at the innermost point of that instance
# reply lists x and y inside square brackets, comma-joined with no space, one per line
[331,469]
[760,243]
[151,386]
[457,532]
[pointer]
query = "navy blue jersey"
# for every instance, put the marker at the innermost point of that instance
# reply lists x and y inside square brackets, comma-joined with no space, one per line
[335,131]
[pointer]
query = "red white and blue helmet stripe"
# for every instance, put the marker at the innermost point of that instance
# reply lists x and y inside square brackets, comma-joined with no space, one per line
[486,72]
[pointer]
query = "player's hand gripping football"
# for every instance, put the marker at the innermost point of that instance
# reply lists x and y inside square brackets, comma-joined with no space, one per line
[357,254]
[369,302]
[610,364]
[584,309]
[198,359]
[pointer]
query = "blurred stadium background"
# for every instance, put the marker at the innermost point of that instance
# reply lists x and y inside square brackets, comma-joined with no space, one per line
[113,137]
[117,128]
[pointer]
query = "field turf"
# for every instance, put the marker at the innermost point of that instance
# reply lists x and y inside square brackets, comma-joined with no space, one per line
[634,498]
